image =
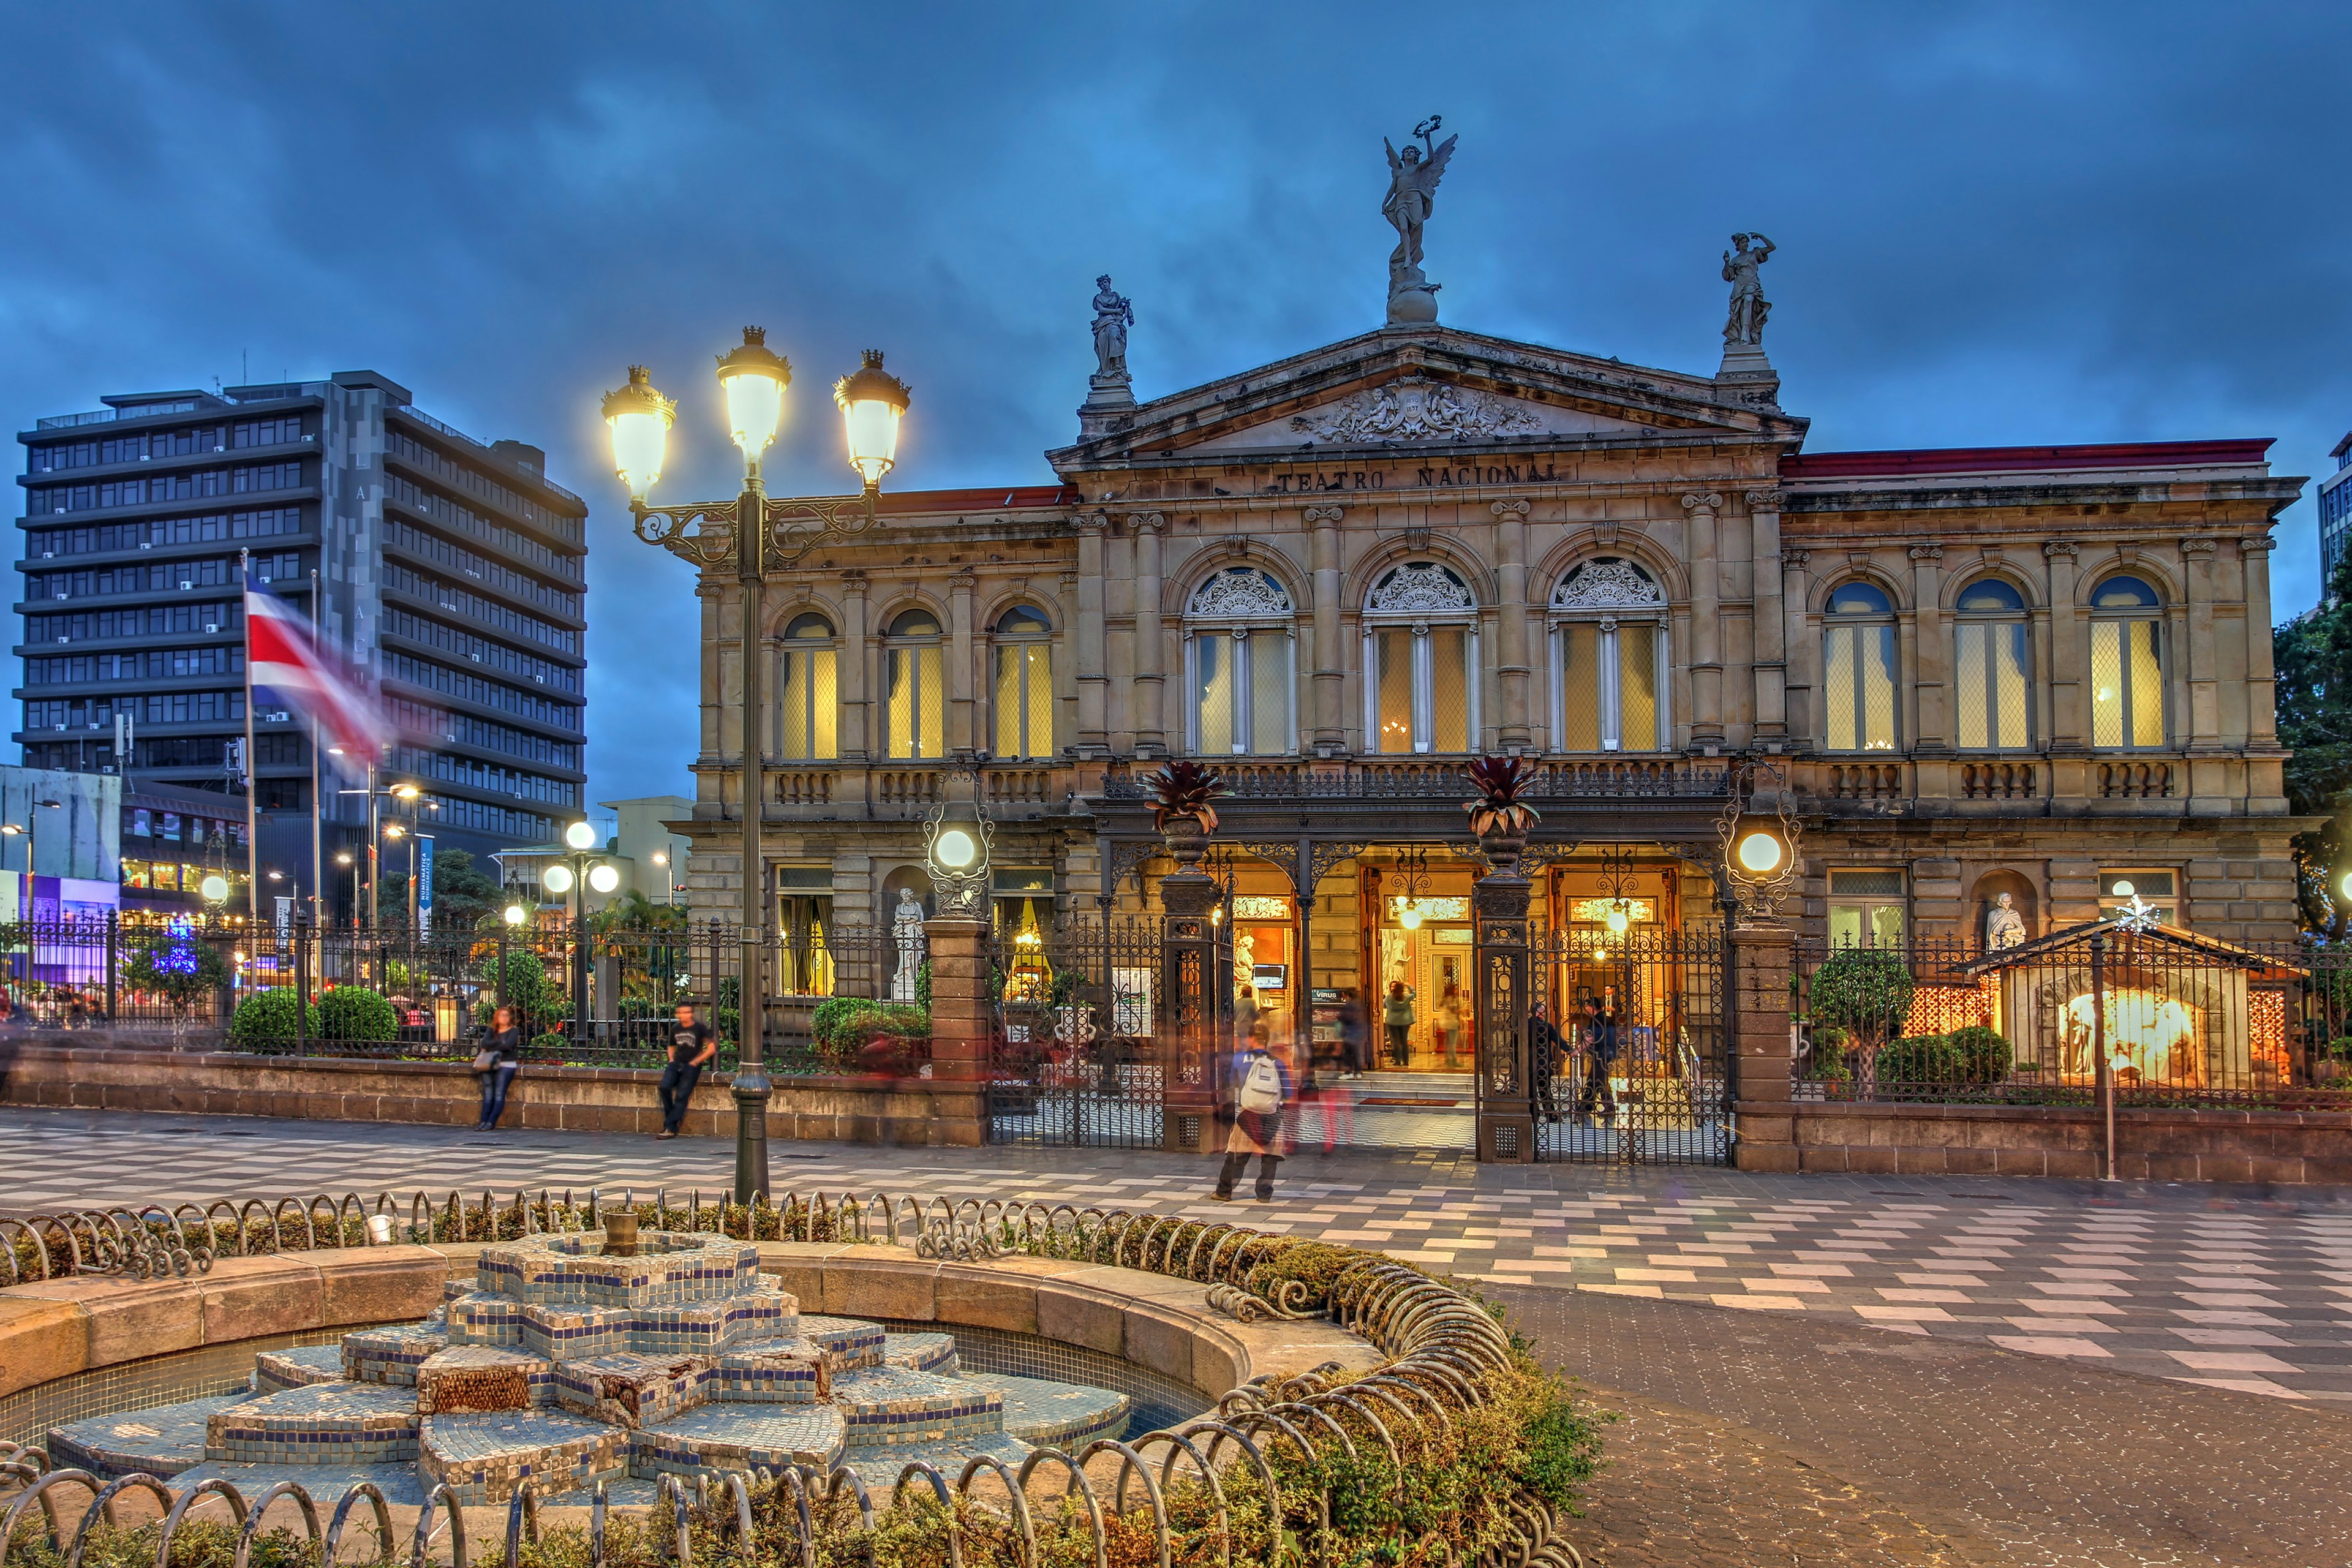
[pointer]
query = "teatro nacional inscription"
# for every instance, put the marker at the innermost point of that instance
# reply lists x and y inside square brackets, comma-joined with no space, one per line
[1441,475]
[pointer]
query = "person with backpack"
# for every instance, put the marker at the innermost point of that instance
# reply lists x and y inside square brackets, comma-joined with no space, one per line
[1262,1088]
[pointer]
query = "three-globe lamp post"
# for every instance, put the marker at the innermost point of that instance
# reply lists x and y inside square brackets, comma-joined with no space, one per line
[574,874]
[752,377]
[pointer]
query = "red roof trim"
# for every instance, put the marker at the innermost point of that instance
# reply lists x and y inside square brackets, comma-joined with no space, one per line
[1009,498]
[2028,459]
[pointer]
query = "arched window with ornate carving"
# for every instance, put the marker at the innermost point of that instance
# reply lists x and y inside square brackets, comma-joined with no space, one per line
[1989,679]
[808,695]
[1240,666]
[1421,660]
[1608,648]
[918,693]
[2127,665]
[1858,669]
[1025,684]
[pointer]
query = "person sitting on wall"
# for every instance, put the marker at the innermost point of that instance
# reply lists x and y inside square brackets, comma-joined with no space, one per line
[692,1045]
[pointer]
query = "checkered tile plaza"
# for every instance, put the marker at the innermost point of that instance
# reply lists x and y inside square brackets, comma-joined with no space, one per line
[2242,1291]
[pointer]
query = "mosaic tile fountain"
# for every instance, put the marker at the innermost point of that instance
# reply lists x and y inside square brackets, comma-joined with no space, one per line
[570,1366]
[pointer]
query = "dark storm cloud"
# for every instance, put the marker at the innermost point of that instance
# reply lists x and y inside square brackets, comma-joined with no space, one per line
[1996,225]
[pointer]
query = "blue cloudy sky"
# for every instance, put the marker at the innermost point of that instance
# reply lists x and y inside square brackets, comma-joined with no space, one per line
[1997,224]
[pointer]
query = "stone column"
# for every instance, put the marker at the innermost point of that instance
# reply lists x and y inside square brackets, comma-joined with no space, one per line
[1196,992]
[959,730]
[1771,635]
[2204,693]
[849,668]
[1797,646]
[2068,653]
[1094,736]
[1928,660]
[1755,1007]
[961,1029]
[1330,709]
[1505,1081]
[1150,646]
[1511,634]
[2261,675]
[1706,620]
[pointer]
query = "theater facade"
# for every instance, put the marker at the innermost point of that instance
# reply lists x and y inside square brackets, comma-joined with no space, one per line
[2043,672]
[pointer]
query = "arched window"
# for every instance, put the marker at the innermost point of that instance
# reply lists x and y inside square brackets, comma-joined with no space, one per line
[1988,675]
[2127,665]
[1421,660]
[1858,669]
[918,694]
[1608,647]
[1240,665]
[1025,684]
[809,693]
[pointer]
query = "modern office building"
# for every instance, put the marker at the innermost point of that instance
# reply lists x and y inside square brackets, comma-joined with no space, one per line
[2335,513]
[450,571]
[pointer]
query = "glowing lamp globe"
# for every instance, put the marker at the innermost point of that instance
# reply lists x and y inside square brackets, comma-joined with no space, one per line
[1410,916]
[514,915]
[603,879]
[754,377]
[214,888]
[955,849]
[556,879]
[639,418]
[1759,852]
[872,402]
[2124,890]
[2346,884]
[1617,922]
[580,835]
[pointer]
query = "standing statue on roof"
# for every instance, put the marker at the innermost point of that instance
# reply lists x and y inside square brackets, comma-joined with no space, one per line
[1745,325]
[1414,175]
[1114,313]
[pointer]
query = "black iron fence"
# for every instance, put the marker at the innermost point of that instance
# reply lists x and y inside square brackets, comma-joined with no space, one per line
[1075,1058]
[2169,1019]
[1629,1052]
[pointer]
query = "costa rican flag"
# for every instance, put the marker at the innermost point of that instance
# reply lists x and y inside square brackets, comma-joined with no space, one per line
[279,659]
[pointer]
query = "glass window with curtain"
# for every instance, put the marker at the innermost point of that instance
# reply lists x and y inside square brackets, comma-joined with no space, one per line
[1858,669]
[808,693]
[917,700]
[2126,665]
[1239,670]
[1988,668]
[1866,908]
[1606,663]
[1420,648]
[1024,686]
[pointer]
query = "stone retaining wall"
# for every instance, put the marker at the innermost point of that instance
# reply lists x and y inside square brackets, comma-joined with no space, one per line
[862,1110]
[2205,1145]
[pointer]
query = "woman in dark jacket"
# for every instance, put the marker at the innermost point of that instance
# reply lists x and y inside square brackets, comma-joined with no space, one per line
[499,1059]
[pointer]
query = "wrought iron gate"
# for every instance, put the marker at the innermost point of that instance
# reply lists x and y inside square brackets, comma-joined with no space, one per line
[1080,1057]
[1663,1096]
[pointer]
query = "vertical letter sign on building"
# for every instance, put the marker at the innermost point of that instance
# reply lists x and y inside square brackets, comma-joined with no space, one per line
[424,883]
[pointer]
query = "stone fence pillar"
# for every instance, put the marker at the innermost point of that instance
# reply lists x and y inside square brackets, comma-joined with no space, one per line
[1498,906]
[1757,1004]
[963,1028]
[1195,995]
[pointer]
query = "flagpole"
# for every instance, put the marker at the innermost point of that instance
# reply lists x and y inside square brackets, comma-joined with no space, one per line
[317,853]
[252,779]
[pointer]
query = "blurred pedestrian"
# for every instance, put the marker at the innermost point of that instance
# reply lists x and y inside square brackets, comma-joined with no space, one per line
[1262,1088]
[1396,1018]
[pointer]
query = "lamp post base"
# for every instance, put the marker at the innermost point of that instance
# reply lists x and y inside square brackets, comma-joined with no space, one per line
[752,1089]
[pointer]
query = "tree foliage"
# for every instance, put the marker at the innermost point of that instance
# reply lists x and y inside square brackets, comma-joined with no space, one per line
[2314,656]
[464,898]
[177,965]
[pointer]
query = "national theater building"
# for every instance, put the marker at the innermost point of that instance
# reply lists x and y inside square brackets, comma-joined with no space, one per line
[2043,671]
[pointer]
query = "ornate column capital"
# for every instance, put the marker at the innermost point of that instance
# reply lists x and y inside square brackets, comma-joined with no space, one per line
[1089,521]
[2262,545]
[1926,553]
[1148,522]
[853,580]
[1796,558]
[2057,547]
[964,579]
[1517,509]
[1315,514]
[1699,501]
[1763,500]
[2199,546]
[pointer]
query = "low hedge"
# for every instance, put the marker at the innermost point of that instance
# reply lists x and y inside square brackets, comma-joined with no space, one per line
[264,1021]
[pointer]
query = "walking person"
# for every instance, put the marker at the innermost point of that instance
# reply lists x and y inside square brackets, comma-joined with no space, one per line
[1396,1018]
[1547,1057]
[1355,1035]
[496,1065]
[1263,1089]
[1600,1053]
[691,1046]
[1448,1019]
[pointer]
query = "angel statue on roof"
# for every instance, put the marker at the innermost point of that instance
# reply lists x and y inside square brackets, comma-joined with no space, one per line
[1414,175]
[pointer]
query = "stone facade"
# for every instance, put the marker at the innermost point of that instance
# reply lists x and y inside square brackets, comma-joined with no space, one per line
[2016,669]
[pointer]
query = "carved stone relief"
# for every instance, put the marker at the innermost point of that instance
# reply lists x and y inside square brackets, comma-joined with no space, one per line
[1608,583]
[1413,409]
[1239,591]
[1421,587]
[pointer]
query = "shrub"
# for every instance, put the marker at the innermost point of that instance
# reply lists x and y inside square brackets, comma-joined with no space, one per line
[181,967]
[1864,991]
[1829,1055]
[1919,1059]
[1985,1055]
[356,1012]
[267,1020]
[525,984]
[830,1024]
[550,1044]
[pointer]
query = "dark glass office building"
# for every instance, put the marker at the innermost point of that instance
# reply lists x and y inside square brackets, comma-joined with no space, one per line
[450,571]
[2335,514]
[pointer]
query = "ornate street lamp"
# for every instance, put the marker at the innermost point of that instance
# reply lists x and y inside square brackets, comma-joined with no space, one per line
[1758,847]
[580,878]
[749,532]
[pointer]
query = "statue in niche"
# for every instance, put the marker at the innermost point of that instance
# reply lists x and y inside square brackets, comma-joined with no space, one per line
[2004,927]
[1745,325]
[906,932]
[1114,313]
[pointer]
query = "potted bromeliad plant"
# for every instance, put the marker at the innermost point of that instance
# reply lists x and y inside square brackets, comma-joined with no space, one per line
[1500,815]
[1183,797]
